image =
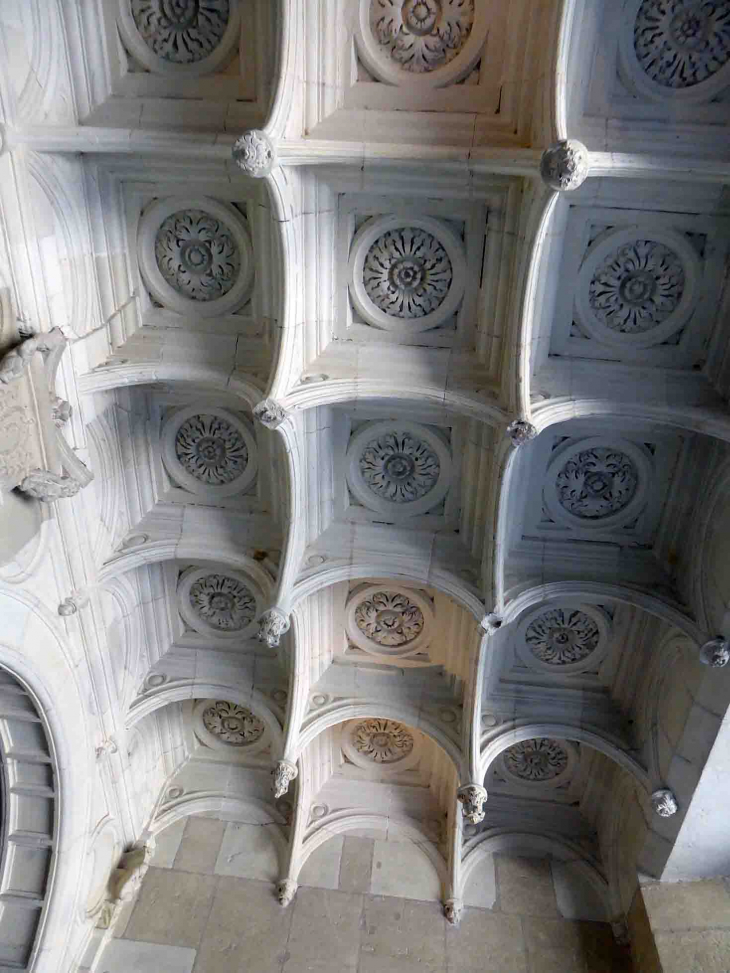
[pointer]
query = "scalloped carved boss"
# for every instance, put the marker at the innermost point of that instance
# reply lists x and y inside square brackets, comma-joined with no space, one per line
[561,637]
[197,255]
[222,602]
[536,761]
[211,449]
[682,43]
[389,618]
[399,467]
[233,724]
[597,483]
[407,273]
[382,741]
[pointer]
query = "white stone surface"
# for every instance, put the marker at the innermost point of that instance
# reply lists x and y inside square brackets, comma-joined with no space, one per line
[401,868]
[167,843]
[481,886]
[125,955]
[576,896]
[322,868]
[248,851]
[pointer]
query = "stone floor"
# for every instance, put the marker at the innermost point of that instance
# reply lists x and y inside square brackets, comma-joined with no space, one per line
[207,906]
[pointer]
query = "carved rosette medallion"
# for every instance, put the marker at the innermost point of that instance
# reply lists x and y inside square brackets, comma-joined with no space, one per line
[420,41]
[389,621]
[538,761]
[564,639]
[399,468]
[180,38]
[209,451]
[232,724]
[597,483]
[680,44]
[406,275]
[637,290]
[195,255]
[381,742]
[218,604]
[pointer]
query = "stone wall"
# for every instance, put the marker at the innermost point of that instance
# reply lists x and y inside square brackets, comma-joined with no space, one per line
[682,927]
[199,910]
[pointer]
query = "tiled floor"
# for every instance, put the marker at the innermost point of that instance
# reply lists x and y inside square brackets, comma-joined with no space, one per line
[207,906]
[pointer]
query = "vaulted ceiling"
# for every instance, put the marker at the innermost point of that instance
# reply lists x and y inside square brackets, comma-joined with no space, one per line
[407,417]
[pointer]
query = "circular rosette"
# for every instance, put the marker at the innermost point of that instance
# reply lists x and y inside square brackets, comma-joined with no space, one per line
[637,286]
[380,744]
[223,725]
[597,484]
[398,469]
[224,603]
[209,451]
[677,50]
[563,639]
[389,620]
[195,255]
[406,275]
[421,43]
[180,38]
[540,762]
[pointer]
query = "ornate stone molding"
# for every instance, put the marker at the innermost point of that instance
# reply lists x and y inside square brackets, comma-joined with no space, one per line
[281,777]
[125,881]
[399,469]
[521,432]
[255,153]
[49,487]
[107,748]
[209,451]
[388,620]
[453,909]
[71,605]
[195,255]
[664,803]
[272,625]
[270,414]
[285,892]
[564,166]
[406,275]
[221,604]
[715,653]
[491,623]
[472,798]
[16,361]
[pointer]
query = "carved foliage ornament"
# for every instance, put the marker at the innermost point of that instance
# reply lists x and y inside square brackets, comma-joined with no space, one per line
[211,449]
[399,467]
[421,35]
[254,153]
[596,483]
[223,602]
[382,741]
[197,255]
[637,287]
[233,724]
[181,31]
[564,166]
[407,273]
[682,43]
[664,803]
[536,761]
[390,619]
[472,798]
[561,637]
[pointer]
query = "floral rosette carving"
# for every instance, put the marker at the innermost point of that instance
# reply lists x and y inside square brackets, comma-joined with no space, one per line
[222,602]
[682,43]
[399,467]
[536,761]
[421,35]
[197,255]
[597,483]
[390,619]
[637,287]
[561,637]
[233,724]
[211,449]
[407,273]
[181,31]
[382,742]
